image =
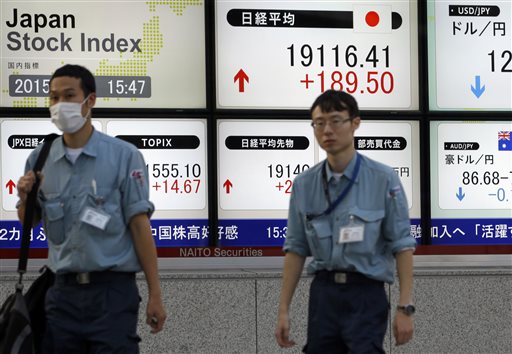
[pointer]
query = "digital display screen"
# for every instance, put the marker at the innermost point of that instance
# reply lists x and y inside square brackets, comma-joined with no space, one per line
[470,55]
[283,54]
[137,51]
[396,144]
[175,154]
[258,161]
[471,183]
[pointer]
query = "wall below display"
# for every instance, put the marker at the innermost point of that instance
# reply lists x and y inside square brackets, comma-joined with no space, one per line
[459,310]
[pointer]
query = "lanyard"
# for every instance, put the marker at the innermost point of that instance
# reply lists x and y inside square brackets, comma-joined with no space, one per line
[343,194]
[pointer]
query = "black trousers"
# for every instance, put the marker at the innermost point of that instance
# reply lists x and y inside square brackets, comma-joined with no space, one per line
[347,317]
[97,317]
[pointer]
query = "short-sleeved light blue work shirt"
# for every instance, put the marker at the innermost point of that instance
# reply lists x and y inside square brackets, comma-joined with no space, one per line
[110,176]
[376,199]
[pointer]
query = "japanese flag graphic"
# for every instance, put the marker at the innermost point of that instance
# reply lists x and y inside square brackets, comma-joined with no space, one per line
[372,18]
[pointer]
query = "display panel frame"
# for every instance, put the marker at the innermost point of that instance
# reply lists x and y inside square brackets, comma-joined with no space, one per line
[226,23]
[472,96]
[124,78]
[469,218]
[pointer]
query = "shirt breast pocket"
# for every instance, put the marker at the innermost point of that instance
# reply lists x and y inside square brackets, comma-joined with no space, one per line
[372,221]
[319,235]
[106,203]
[54,221]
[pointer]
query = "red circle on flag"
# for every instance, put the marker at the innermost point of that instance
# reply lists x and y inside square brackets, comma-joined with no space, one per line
[372,19]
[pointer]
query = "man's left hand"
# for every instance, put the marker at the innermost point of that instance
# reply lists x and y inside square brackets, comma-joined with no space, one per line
[403,328]
[155,314]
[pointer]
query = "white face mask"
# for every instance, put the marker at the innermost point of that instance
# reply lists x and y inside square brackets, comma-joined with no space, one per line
[67,116]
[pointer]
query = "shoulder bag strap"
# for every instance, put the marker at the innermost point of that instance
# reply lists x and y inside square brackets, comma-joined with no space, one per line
[30,204]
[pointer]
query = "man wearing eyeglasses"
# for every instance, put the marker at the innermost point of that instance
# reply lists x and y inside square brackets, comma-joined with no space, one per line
[350,214]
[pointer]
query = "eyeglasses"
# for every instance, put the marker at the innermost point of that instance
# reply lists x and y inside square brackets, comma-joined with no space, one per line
[335,123]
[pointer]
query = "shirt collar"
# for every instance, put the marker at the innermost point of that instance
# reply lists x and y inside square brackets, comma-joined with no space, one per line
[90,148]
[349,170]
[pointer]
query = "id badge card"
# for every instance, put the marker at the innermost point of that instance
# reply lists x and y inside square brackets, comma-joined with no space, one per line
[95,217]
[353,232]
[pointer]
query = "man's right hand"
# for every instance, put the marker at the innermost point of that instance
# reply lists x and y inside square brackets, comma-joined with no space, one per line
[282,332]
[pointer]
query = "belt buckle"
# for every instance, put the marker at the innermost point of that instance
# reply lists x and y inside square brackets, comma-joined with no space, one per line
[340,278]
[83,278]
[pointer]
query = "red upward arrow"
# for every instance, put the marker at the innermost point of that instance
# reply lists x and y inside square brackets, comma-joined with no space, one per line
[10,185]
[241,76]
[228,186]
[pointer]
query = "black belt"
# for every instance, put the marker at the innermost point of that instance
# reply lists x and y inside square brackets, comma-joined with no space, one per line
[92,277]
[341,277]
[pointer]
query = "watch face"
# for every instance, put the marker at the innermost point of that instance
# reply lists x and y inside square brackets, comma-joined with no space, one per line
[407,309]
[410,309]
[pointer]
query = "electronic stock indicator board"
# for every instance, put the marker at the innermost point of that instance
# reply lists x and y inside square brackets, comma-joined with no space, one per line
[396,144]
[259,159]
[470,55]
[175,154]
[144,54]
[283,54]
[471,183]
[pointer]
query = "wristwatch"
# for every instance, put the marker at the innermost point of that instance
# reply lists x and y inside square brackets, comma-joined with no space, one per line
[408,309]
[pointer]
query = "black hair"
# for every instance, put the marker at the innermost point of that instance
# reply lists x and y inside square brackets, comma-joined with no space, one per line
[332,100]
[87,82]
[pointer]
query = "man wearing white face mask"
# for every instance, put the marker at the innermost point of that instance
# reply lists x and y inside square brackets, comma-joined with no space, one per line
[94,204]
[67,116]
